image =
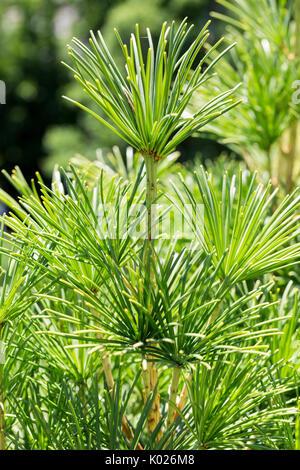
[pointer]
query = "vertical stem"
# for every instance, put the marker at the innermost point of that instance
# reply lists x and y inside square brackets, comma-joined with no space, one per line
[110,383]
[81,393]
[269,162]
[150,374]
[293,131]
[2,399]
[107,368]
[151,194]
[294,126]
[183,396]
[297,16]
[173,394]
[214,314]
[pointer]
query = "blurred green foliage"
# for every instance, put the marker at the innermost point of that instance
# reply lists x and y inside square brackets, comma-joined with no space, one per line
[266,61]
[38,128]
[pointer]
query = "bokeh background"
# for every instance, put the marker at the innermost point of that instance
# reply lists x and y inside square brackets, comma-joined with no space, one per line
[38,127]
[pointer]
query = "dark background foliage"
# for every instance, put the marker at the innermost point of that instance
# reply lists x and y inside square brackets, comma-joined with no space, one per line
[38,128]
